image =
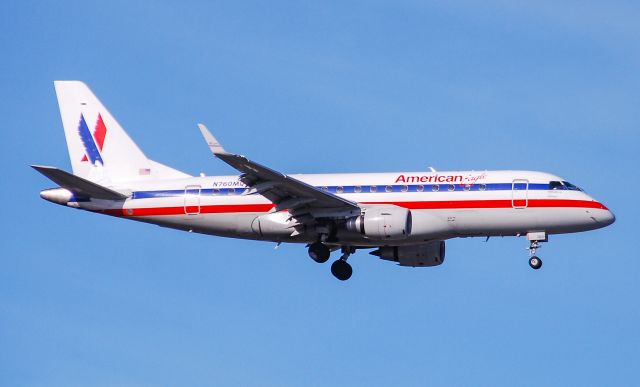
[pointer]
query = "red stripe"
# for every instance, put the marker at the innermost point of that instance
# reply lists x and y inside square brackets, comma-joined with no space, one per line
[532,203]
[434,205]
[220,209]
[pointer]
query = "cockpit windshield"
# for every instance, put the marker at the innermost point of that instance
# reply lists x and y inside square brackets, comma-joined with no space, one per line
[563,185]
[556,185]
[571,187]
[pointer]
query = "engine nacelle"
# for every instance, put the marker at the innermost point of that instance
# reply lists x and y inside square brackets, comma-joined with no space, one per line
[428,254]
[382,222]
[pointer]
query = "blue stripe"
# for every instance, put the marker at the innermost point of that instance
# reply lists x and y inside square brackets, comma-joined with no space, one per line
[350,189]
[89,144]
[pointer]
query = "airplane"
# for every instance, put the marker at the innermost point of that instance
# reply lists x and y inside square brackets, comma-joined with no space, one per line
[405,216]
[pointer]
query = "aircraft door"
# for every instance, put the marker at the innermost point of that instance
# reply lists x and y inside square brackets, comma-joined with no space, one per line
[192,199]
[519,193]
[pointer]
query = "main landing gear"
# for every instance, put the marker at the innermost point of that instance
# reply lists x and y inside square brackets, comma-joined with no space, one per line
[341,269]
[535,239]
[319,252]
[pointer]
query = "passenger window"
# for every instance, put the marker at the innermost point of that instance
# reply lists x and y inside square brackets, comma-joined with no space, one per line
[405,188]
[216,191]
[435,188]
[339,189]
[231,191]
[451,187]
[483,187]
[420,188]
[555,185]
[388,188]
[467,187]
[326,189]
[357,189]
[373,188]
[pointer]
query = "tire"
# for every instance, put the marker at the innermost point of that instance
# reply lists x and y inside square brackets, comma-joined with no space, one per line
[319,252]
[535,263]
[341,270]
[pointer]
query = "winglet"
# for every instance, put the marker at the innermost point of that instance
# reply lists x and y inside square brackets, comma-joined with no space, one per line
[214,145]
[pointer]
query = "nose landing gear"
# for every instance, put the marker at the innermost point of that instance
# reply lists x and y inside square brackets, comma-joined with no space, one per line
[535,262]
[535,239]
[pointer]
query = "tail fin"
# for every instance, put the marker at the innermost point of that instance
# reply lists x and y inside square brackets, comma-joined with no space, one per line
[99,148]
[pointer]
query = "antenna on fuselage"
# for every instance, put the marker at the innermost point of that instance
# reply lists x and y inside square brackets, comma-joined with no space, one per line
[432,169]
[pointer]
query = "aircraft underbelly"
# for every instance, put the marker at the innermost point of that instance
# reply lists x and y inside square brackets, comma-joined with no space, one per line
[426,224]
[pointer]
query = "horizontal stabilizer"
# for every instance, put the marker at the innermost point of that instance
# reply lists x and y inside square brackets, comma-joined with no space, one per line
[78,185]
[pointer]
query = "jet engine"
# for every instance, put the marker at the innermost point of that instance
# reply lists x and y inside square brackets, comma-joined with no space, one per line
[428,254]
[384,222]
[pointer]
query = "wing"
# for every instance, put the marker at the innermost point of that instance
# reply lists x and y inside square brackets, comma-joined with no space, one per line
[303,201]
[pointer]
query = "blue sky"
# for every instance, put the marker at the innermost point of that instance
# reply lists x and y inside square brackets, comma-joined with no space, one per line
[87,300]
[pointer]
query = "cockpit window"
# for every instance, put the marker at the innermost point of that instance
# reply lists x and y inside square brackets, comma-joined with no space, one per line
[556,185]
[563,185]
[571,186]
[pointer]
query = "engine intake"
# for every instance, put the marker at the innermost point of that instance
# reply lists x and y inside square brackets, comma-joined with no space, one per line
[386,222]
[428,254]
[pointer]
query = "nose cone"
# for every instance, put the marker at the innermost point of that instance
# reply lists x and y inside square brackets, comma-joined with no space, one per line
[606,218]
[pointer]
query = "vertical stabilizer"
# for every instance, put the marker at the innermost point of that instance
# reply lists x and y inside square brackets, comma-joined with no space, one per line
[99,148]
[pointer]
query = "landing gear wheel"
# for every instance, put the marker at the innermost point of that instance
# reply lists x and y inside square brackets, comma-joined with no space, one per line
[319,252]
[535,262]
[341,270]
